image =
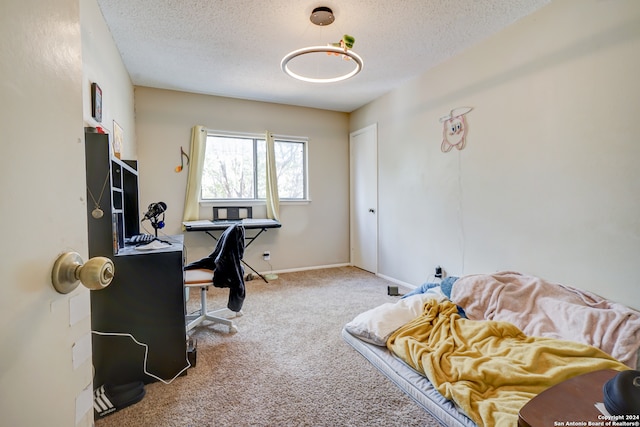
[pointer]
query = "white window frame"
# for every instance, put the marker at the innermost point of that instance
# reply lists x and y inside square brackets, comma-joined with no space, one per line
[255,200]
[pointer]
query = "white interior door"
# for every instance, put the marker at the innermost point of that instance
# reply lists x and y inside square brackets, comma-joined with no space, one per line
[363,152]
[45,355]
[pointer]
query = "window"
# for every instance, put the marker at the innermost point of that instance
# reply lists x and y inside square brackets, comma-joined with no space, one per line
[235,168]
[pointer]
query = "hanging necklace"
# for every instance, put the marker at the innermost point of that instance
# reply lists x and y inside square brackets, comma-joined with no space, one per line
[97,212]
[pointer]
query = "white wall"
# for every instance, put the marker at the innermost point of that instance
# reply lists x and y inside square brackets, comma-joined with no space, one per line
[102,64]
[312,234]
[548,183]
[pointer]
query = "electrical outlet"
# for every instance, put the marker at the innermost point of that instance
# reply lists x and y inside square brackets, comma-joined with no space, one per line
[266,255]
[438,272]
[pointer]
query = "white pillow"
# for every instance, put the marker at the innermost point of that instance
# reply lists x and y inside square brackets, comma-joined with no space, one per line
[376,325]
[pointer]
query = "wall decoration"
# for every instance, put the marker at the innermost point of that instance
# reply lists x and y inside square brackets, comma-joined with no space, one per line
[183,155]
[454,132]
[118,139]
[96,102]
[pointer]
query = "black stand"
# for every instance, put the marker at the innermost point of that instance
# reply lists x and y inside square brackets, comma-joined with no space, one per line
[249,239]
[156,223]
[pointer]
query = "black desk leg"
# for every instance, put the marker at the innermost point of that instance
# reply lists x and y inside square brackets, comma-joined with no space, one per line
[252,269]
[250,241]
[246,245]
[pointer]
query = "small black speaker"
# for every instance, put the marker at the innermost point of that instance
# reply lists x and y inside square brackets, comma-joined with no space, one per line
[392,291]
[192,352]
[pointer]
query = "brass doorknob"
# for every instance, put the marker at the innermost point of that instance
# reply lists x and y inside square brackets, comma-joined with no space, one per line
[69,269]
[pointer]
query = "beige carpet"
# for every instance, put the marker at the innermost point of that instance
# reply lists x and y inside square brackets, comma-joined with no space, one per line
[286,366]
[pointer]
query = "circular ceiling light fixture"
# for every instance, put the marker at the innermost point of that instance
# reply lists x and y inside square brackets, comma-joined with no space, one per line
[321,49]
[323,16]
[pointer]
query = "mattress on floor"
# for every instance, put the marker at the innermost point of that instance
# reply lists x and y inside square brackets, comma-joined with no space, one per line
[411,382]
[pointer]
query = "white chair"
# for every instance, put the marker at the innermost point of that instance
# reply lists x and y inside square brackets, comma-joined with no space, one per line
[203,278]
[222,268]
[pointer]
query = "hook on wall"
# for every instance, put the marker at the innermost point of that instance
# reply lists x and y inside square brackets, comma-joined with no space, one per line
[182,157]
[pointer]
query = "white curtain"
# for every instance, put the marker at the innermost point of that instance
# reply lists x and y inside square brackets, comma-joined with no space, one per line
[273,200]
[194,185]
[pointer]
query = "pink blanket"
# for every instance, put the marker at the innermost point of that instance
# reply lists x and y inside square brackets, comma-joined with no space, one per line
[545,309]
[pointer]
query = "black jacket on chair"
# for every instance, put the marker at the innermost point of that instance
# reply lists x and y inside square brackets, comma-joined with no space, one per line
[226,263]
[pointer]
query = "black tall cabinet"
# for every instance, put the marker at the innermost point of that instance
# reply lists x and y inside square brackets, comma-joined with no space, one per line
[113,185]
[138,321]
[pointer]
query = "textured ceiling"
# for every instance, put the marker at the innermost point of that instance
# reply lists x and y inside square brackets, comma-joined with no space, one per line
[233,48]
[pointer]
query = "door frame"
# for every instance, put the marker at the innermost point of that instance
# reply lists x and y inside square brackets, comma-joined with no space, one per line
[354,216]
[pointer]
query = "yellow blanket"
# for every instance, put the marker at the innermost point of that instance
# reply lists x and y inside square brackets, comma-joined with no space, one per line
[489,368]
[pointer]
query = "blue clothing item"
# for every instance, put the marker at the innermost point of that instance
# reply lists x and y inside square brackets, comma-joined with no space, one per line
[421,289]
[445,286]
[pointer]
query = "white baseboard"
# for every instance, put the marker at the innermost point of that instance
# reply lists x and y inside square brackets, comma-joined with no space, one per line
[320,267]
[316,267]
[396,281]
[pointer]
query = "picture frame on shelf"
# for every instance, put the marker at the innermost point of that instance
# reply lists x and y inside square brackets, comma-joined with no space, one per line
[118,139]
[96,102]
